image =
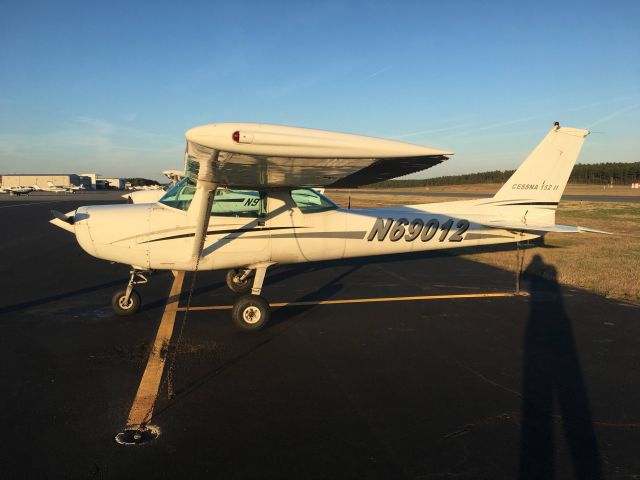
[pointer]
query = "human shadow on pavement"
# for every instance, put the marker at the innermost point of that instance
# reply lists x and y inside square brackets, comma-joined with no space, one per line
[552,375]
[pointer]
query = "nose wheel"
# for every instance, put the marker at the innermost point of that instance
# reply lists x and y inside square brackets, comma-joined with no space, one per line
[127,301]
[239,280]
[124,306]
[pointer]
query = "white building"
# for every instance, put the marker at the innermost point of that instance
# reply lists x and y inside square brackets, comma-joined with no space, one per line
[98,182]
[42,180]
[117,183]
[92,179]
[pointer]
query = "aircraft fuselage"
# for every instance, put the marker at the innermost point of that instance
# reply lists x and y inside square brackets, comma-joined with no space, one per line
[155,236]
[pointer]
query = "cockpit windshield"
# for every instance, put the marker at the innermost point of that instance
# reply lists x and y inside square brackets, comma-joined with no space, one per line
[180,195]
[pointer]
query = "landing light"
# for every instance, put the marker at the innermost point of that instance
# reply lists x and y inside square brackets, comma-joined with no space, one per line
[242,137]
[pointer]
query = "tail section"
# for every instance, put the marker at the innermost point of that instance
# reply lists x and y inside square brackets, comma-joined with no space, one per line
[527,202]
[543,176]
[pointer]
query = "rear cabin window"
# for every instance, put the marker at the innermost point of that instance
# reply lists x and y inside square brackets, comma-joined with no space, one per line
[239,203]
[310,201]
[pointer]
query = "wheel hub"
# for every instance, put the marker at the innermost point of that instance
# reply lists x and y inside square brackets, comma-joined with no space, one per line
[124,304]
[251,315]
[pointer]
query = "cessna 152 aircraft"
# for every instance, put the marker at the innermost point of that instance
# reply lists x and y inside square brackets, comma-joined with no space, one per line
[17,190]
[278,220]
[53,188]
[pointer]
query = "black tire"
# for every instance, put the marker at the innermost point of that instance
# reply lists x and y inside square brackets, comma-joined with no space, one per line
[238,287]
[117,302]
[251,312]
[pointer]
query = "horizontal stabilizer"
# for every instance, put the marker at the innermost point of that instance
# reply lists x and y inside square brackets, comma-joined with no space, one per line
[543,228]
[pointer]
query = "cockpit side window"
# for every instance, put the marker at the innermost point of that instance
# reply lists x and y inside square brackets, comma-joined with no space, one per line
[239,203]
[309,200]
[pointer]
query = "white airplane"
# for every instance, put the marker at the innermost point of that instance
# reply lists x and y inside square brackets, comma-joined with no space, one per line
[150,195]
[174,175]
[192,228]
[51,187]
[144,196]
[74,188]
[17,190]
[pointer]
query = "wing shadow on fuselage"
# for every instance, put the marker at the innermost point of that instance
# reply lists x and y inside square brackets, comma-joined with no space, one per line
[552,373]
[407,210]
[251,224]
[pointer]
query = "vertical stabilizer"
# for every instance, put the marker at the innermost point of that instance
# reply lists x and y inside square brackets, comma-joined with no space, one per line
[544,174]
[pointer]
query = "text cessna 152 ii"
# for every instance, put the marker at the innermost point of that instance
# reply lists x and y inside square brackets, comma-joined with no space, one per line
[244,205]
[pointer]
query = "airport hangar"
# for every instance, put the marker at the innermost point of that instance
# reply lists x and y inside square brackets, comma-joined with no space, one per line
[90,181]
[42,179]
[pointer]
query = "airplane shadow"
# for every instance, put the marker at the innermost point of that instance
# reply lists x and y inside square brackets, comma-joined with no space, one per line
[324,292]
[82,291]
[60,296]
[276,276]
[552,375]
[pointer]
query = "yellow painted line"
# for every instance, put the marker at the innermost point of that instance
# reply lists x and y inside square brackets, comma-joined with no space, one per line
[24,204]
[369,300]
[143,404]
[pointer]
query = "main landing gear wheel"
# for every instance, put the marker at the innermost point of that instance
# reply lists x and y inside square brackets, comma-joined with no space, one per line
[237,283]
[251,312]
[122,306]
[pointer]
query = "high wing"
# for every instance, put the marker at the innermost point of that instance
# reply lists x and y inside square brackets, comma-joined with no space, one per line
[261,155]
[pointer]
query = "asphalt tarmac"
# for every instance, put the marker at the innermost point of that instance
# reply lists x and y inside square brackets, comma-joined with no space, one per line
[512,387]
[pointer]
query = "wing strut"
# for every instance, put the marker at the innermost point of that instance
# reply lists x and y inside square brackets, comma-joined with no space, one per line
[203,199]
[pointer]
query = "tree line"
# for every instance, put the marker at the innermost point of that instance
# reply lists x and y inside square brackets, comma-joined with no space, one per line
[595,173]
[141,182]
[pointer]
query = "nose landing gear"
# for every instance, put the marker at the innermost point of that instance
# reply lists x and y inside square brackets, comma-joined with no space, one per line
[127,301]
[239,280]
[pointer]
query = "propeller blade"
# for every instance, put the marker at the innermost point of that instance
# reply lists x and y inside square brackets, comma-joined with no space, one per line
[62,216]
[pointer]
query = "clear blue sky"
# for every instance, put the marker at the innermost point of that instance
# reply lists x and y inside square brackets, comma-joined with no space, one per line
[112,86]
